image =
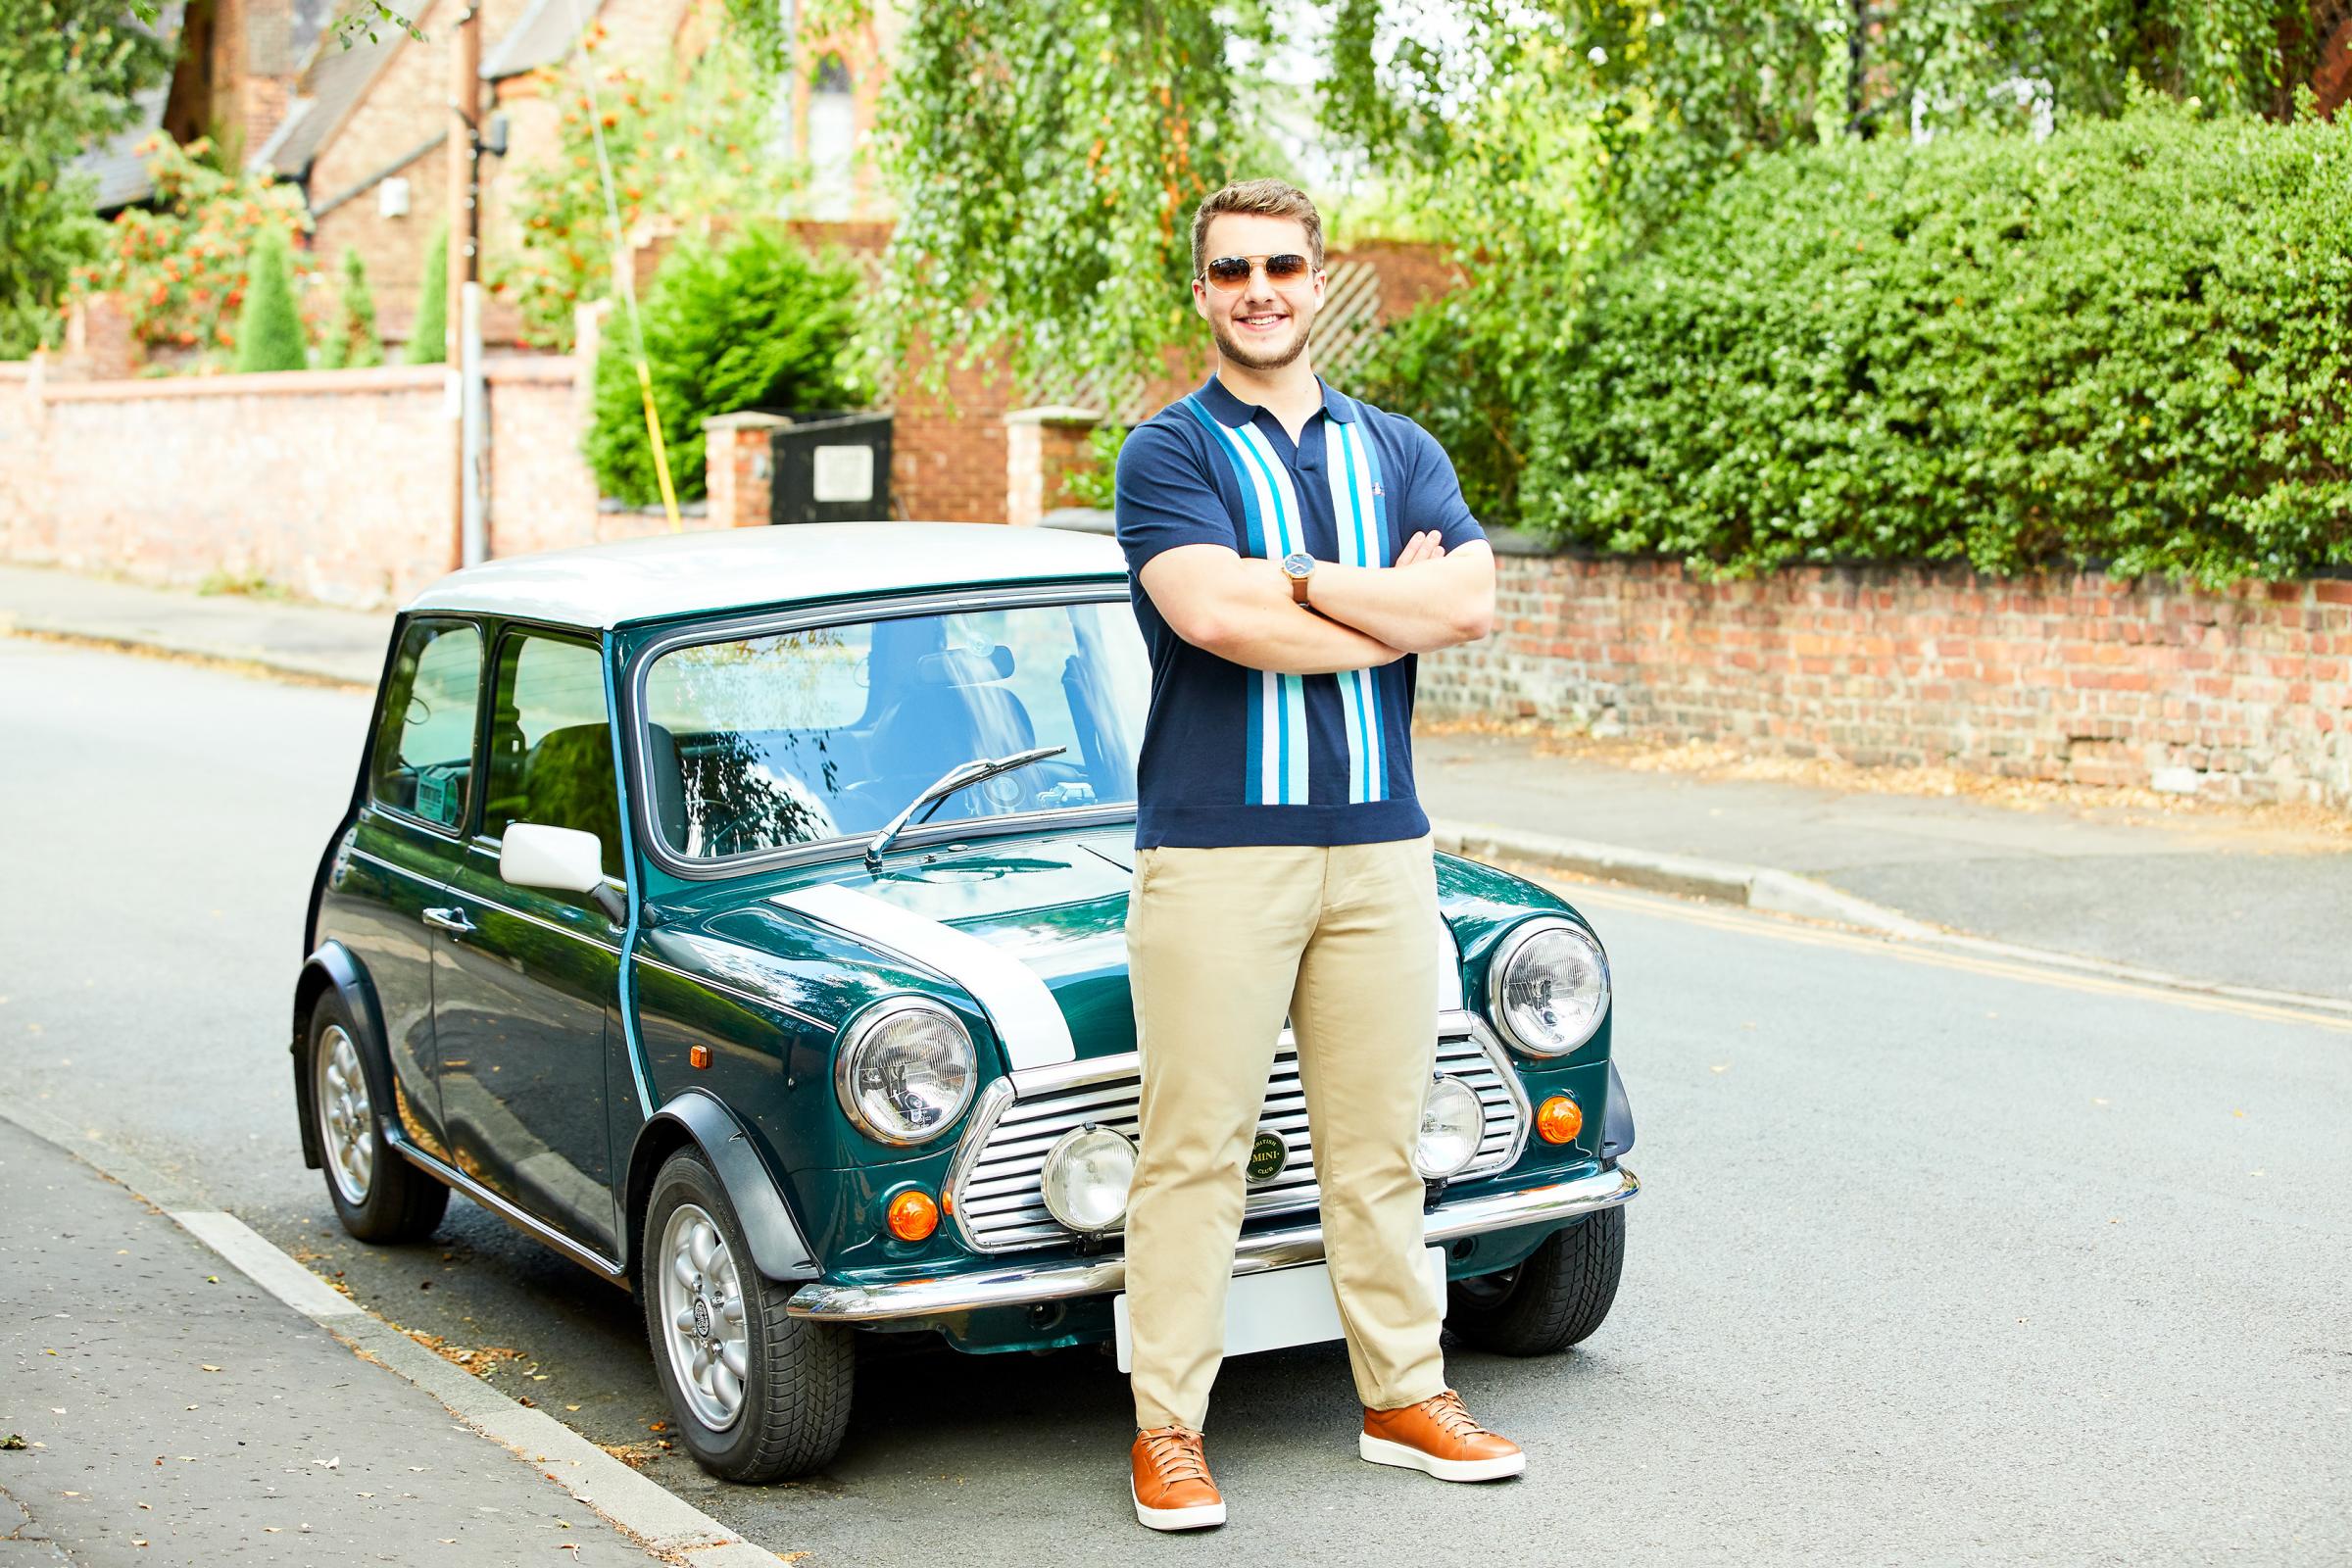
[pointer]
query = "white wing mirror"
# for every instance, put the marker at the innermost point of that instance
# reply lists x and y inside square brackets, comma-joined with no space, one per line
[566,859]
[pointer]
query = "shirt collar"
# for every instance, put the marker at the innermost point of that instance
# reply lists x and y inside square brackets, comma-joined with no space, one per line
[1233,412]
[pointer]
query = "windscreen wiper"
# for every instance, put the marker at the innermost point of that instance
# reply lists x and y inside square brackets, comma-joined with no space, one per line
[960,778]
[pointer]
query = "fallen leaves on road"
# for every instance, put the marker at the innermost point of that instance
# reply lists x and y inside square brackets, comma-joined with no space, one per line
[206,1366]
[2138,804]
[13,1442]
[636,1455]
[336,1464]
[481,1359]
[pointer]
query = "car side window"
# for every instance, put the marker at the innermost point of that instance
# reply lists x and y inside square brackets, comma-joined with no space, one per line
[424,749]
[551,748]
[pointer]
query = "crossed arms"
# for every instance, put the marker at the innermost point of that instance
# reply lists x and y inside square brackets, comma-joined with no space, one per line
[1241,609]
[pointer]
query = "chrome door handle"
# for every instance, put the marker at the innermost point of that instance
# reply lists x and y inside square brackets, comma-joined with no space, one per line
[449,920]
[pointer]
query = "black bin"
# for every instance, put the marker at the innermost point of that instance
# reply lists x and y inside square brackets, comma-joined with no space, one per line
[830,469]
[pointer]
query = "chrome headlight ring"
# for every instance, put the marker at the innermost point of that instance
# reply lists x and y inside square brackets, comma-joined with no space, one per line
[905,1070]
[1548,987]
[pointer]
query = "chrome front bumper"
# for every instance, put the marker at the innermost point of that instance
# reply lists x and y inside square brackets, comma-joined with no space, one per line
[1021,1284]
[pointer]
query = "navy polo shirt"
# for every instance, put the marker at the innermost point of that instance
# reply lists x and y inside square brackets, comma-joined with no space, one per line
[1239,756]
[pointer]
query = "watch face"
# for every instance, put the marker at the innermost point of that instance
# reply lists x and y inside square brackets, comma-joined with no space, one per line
[1297,564]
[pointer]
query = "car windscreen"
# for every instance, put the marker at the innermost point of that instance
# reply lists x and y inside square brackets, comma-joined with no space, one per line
[763,742]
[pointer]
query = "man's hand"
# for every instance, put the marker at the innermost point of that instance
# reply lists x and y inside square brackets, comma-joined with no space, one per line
[1425,546]
[1430,598]
[1242,609]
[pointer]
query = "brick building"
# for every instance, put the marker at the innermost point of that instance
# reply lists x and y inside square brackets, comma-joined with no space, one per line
[365,133]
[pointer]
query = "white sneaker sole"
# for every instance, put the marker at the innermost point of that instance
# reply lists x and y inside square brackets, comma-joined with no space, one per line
[1200,1516]
[1380,1450]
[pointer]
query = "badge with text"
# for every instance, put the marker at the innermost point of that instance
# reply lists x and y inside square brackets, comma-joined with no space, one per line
[1268,1156]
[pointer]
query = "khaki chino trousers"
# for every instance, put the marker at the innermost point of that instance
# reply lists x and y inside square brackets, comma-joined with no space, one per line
[1221,943]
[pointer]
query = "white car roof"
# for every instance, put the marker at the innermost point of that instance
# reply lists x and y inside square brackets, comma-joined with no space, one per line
[737,568]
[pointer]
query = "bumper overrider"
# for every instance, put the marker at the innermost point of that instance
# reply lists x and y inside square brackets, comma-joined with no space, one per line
[1019,1285]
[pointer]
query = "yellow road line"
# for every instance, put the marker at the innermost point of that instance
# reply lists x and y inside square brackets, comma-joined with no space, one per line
[1780,930]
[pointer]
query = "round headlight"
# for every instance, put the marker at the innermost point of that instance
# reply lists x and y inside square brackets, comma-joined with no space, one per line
[1086,1177]
[1452,1122]
[1549,987]
[905,1072]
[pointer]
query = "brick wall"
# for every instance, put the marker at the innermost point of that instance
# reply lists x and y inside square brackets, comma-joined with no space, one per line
[336,485]
[2242,695]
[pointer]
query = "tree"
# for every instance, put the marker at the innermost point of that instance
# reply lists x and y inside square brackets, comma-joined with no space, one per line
[687,142]
[68,72]
[269,329]
[428,339]
[1046,156]
[349,341]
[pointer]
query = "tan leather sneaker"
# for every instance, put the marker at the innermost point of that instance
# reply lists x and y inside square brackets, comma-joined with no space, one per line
[1440,1438]
[1171,1487]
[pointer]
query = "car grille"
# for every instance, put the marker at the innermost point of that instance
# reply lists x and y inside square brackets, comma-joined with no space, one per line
[999,1209]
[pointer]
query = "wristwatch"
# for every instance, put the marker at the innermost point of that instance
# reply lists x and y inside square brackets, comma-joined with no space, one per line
[1299,565]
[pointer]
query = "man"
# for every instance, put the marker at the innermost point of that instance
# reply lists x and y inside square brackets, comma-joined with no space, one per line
[1291,550]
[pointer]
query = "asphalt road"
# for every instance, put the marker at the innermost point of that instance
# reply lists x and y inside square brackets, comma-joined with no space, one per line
[1938,1259]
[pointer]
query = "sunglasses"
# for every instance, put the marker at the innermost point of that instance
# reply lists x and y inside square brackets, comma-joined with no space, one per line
[1231,272]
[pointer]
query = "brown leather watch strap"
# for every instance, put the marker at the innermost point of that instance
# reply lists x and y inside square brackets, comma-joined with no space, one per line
[1299,590]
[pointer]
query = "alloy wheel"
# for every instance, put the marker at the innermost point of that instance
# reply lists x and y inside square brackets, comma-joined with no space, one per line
[702,1316]
[346,1117]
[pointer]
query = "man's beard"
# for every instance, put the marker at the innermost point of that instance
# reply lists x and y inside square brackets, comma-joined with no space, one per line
[1251,359]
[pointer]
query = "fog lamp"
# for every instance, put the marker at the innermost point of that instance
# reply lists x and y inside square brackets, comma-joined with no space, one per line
[1558,1120]
[1452,1122]
[1086,1176]
[912,1216]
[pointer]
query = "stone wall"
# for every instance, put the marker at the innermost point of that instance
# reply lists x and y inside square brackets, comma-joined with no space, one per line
[2242,695]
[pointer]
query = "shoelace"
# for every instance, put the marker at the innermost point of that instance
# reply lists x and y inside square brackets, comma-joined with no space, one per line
[1175,1455]
[1447,1410]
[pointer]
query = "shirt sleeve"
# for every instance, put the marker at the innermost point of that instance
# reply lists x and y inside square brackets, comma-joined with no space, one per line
[1435,499]
[1163,498]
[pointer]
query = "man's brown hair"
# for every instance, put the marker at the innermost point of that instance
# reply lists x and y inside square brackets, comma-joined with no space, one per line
[1267,197]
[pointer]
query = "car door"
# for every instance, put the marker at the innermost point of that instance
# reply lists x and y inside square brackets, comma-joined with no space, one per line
[405,847]
[526,979]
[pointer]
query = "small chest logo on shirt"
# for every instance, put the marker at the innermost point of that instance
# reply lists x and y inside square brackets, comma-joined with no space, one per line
[1376,489]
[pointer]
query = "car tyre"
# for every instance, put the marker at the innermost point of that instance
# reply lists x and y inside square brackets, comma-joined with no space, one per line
[379,1195]
[707,1307]
[1556,1298]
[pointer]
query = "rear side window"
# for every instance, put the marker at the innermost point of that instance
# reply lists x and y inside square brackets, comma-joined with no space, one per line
[424,751]
[550,750]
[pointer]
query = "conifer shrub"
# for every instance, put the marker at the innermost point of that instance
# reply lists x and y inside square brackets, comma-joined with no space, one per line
[751,322]
[270,324]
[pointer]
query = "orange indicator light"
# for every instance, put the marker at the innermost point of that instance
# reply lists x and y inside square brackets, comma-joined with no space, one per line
[914,1215]
[1558,1120]
[698,1055]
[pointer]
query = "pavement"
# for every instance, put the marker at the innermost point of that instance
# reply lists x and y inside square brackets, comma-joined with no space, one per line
[2213,896]
[160,1406]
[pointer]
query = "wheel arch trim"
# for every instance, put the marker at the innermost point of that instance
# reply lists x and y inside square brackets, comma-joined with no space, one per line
[1616,1118]
[779,1249]
[333,967]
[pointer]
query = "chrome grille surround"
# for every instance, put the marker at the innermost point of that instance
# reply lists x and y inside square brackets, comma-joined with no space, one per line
[993,1185]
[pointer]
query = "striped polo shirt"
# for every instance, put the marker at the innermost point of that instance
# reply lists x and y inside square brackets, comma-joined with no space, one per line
[1239,756]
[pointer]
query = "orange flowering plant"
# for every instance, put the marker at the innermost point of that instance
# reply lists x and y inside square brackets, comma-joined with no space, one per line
[179,263]
[685,144]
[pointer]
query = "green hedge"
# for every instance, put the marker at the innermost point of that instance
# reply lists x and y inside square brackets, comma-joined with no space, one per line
[756,323]
[2129,345]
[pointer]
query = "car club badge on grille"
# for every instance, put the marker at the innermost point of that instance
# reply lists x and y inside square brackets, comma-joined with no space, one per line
[1268,1156]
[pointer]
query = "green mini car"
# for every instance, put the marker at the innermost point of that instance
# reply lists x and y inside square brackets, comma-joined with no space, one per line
[742,916]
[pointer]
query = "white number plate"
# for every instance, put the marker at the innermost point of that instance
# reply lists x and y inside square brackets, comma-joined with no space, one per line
[1284,1308]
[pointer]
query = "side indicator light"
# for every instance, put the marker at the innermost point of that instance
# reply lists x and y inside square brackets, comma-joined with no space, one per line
[1558,1120]
[914,1215]
[698,1055]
